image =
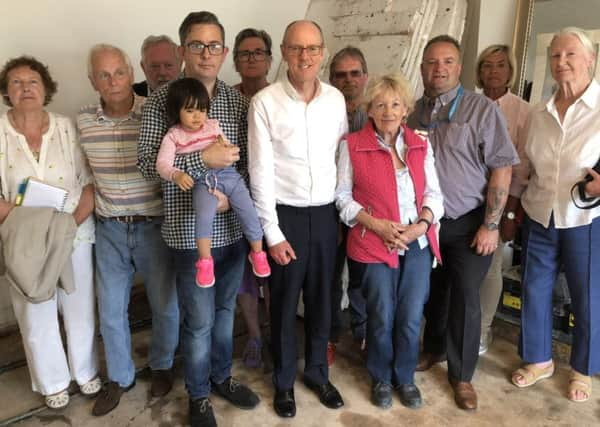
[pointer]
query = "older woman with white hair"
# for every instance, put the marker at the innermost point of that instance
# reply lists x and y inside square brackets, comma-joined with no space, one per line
[496,75]
[563,144]
[389,195]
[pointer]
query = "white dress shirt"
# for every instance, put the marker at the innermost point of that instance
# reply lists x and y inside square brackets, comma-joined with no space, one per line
[292,148]
[558,156]
[432,196]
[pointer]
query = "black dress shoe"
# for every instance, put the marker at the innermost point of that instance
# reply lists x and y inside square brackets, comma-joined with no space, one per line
[328,394]
[410,396]
[284,403]
[381,395]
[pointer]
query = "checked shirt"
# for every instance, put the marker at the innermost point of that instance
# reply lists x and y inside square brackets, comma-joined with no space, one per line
[230,108]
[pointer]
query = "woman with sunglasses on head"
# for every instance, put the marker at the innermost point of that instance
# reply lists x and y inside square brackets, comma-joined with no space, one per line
[495,75]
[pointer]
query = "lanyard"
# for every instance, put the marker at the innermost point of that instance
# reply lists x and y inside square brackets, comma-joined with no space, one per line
[451,112]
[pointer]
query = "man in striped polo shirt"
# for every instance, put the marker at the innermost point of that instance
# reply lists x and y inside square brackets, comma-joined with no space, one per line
[129,212]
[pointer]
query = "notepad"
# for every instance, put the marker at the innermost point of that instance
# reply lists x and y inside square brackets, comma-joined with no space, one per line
[36,193]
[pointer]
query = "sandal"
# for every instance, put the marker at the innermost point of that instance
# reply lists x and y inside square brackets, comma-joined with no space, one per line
[57,400]
[531,374]
[581,383]
[92,387]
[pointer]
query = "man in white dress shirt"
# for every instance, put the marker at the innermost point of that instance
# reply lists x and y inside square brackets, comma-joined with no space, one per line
[294,127]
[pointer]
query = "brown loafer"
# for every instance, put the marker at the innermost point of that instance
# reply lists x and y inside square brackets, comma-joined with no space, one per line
[427,360]
[162,382]
[464,395]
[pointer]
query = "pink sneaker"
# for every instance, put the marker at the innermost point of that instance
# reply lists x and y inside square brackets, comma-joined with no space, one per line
[205,272]
[260,265]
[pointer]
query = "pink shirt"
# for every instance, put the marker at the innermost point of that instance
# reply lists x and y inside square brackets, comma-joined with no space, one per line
[180,141]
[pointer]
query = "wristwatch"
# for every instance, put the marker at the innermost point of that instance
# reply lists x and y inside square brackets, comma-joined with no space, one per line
[510,215]
[490,226]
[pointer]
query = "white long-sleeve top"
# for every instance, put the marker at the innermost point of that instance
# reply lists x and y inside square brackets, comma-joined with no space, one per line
[292,150]
[558,157]
[432,196]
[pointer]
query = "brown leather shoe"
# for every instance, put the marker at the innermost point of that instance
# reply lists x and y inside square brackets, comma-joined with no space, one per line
[162,382]
[464,395]
[427,360]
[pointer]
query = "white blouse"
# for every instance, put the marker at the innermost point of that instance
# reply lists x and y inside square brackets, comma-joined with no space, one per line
[559,155]
[61,163]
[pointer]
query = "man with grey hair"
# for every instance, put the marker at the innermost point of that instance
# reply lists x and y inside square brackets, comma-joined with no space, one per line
[129,212]
[160,62]
[473,158]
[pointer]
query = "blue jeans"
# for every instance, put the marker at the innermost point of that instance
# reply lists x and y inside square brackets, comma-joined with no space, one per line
[208,315]
[121,251]
[395,300]
[544,251]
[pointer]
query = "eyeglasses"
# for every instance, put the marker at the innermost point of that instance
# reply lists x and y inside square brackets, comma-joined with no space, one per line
[198,48]
[355,74]
[312,50]
[259,55]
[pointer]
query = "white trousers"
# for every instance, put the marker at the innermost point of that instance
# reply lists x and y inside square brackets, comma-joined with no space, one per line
[48,366]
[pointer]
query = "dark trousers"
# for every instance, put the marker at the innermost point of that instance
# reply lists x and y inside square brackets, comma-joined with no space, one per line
[358,305]
[453,312]
[312,233]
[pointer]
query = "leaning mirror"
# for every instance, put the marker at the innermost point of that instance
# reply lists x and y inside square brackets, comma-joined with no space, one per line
[537,21]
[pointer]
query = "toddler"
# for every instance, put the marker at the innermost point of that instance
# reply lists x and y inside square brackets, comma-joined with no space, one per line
[191,130]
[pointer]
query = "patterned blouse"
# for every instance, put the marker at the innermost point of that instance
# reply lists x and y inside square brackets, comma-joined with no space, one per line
[61,163]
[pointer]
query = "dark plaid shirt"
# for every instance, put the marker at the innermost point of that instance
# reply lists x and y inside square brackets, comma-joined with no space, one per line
[230,108]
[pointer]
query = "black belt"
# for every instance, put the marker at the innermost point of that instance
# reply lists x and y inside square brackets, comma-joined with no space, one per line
[128,219]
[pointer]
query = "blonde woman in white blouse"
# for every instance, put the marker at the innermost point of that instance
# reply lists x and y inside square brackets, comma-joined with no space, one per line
[563,143]
[34,142]
[496,75]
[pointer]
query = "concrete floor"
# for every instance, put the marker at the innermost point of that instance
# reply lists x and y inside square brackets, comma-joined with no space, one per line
[500,403]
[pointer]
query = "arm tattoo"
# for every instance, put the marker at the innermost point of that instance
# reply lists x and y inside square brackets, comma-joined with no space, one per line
[496,199]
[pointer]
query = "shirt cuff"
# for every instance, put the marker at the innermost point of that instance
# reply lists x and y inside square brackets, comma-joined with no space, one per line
[273,235]
[436,208]
[350,213]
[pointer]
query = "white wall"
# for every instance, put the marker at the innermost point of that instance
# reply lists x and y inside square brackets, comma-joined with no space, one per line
[497,22]
[488,22]
[59,33]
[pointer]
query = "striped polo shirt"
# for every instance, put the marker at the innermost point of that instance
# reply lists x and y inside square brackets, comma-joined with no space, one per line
[111,145]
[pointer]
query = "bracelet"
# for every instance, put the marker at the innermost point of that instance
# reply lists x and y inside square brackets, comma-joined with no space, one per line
[426,221]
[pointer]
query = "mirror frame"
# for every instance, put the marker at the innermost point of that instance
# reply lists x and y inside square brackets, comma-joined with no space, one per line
[520,41]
